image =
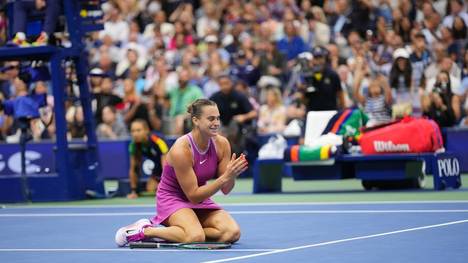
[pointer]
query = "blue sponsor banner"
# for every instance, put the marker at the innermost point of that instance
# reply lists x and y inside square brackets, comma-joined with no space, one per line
[40,159]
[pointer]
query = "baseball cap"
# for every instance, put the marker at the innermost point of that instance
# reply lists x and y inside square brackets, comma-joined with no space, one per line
[400,53]
[319,51]
[96,72]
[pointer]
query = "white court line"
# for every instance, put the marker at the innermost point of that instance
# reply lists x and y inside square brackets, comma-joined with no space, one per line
[268,212]
[337,241]
[246,204]
[129,250]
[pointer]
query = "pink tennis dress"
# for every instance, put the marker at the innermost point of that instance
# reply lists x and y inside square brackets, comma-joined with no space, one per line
[170,196]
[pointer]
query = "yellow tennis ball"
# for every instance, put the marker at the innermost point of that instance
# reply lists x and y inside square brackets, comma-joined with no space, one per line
[83,13]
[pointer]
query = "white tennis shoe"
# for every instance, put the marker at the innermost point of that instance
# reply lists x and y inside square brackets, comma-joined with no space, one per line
[131,233]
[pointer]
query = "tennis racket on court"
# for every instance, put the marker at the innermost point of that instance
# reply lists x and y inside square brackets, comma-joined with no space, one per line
[194,245]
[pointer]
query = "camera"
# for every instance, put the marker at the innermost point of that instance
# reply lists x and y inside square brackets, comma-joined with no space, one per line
[437,89]
[307,72]
[440,88]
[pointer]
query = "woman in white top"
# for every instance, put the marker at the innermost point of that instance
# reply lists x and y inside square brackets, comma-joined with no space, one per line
[272,117]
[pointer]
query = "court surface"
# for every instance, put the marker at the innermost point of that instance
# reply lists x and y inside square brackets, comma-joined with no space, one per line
[393,231]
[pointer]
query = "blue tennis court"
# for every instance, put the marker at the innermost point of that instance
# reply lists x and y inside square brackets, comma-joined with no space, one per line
[279,232]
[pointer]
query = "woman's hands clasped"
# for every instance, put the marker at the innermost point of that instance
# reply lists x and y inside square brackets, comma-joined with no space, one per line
[235,167]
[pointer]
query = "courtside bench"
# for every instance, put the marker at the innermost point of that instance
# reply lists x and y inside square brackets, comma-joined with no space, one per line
[380,171]
[407,169]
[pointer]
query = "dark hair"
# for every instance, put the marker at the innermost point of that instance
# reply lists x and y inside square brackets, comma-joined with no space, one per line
[142,122]
[111,108]
[460,33]
[395,72]
[196,107]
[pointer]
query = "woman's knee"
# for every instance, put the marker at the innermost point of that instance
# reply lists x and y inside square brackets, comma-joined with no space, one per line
[231,235]
[195,236]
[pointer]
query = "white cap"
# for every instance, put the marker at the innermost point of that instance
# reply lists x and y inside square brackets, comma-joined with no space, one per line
[306,55]
[211,39]
[400,53]
[96,71]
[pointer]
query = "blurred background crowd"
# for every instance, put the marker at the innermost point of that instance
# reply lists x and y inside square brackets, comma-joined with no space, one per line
[265,62]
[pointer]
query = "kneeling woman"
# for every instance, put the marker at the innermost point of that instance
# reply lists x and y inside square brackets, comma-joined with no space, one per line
[183,197]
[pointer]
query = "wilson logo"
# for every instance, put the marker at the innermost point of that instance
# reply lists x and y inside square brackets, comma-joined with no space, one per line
[388,146]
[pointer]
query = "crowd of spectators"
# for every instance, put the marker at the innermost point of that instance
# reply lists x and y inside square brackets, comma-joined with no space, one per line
[265,62]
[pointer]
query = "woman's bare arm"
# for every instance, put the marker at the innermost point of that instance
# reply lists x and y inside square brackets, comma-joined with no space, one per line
[180,157]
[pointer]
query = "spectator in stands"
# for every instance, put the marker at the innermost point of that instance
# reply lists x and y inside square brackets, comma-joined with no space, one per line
[459,31]
[334,56]
[209,21]
[272,115]
[447,65]
[401,83]
[346,81]
[180,97]
[243,88]
[338,12]
[11,127]
[315,30]
[431,27]
[211,86]
[112,126]
[455,8]
[243,69]
[464,72]
[115,26]
[376,101]
[359,17]
[236,112]
[439,52]
[401,25]
[75,122]
[454,48]
[8,74]
[439,104]
[134,105]
[212,46]
[107,65]
[291,45]
[158,110]
[95,79]
[270,61]
[147,145]
[159,76]
[182,37]
[105,96]
[159,28]
[132,58]
[135,75]
[44,127]
[22,8]
[3,25]
[296,110]
[420,58]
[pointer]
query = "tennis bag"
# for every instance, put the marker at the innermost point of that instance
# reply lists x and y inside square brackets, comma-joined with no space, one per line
[409,135]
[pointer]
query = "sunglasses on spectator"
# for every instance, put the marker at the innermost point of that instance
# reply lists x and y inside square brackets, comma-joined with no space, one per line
[9,67]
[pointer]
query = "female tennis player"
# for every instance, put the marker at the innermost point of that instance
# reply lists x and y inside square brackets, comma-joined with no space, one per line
[183,197]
